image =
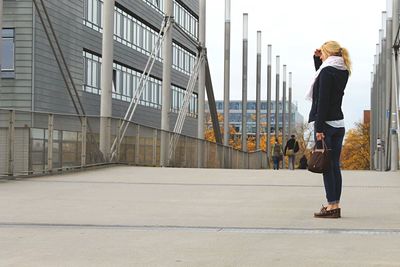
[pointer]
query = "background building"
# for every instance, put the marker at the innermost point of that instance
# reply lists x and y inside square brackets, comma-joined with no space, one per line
[235,115]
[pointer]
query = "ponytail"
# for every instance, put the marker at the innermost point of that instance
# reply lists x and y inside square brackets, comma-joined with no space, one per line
[346,58]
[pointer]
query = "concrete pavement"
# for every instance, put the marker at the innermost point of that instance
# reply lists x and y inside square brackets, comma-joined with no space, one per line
[133,216]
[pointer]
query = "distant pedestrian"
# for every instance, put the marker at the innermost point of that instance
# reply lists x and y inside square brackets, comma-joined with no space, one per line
[276,154]
[303,162]
[291,148]
[333,66]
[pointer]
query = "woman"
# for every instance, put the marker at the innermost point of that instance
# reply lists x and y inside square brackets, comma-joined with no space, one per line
[276,154]
[333,66]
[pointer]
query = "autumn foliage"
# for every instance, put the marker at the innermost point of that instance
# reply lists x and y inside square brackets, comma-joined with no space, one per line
[356,149]
[235,140]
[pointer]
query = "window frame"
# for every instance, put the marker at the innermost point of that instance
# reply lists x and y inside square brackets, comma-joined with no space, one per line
[9,72]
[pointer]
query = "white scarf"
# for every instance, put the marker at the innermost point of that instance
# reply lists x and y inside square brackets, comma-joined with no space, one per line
[332,61]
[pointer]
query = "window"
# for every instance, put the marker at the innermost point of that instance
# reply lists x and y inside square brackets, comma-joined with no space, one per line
[125,82]
[182,59]
[8,53]
[251,105]
[93,14]
[92,73]
[135,34]
[177,97]
[182,16]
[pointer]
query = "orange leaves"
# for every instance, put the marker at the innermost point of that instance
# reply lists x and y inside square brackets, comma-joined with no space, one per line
[355,153]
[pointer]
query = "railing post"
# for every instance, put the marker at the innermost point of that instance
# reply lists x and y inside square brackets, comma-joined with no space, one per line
[231,157]
[11,141]
[184,152]
[137,145]
[154,147]
[50,130]
[237,159]
[83,148]
[118,151]
[206,154]
[223,157]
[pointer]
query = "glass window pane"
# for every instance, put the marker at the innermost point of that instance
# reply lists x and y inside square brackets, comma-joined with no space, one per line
[37,133]
[8,33]
[7,54]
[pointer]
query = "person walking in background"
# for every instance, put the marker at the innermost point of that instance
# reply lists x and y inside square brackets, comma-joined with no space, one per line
[276,154]
[303,162]
[291,148]
[333,66]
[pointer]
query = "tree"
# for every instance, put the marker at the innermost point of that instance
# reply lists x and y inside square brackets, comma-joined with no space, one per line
[356,149]
[303,136]
[234,141]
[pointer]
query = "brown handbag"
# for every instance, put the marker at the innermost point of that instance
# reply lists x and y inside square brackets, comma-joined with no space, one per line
[320,160]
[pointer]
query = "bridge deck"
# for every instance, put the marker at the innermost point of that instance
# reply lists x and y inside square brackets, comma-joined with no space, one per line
[133,216]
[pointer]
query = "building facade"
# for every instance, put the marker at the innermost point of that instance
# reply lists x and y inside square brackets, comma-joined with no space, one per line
[235,116]
[31,79]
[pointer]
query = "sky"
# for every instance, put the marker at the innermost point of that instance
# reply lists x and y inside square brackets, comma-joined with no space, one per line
[295,29]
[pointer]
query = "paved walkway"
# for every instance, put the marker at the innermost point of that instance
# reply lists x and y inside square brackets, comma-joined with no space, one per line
[132,216]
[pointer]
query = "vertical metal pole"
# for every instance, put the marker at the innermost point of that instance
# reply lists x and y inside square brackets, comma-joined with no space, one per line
[377,109]
[371,126]
[11,141]
[384,118]
[106,79]
[277,97]
[373,115]
[227,69]
[379,103]
[394,134]
[202,77]
[290,122]
[388,70]
[166,85]
[83,149]
[382,99]
[244,80]
[284,111]
[258,91]
[269,83]
[50,131]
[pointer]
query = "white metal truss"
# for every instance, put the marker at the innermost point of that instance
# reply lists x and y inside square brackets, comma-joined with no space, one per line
[167,24]
[144,78]
[185,105]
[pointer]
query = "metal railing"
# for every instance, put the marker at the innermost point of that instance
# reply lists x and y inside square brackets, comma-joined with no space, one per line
[39,143]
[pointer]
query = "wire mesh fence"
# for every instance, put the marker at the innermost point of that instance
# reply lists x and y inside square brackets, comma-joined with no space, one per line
[39,143]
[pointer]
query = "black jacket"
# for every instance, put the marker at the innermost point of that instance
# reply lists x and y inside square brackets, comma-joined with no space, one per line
[292,144]
[328,94]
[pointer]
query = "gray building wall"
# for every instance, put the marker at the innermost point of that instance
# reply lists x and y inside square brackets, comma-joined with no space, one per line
[47,91]
[17,92]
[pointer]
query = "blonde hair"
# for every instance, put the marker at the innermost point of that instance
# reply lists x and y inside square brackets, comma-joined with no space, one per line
[333,48]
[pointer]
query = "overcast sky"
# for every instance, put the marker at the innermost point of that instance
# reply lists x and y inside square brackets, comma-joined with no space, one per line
[295,28]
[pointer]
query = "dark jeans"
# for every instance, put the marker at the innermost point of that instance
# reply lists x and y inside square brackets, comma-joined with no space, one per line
[333,177]
[275,159]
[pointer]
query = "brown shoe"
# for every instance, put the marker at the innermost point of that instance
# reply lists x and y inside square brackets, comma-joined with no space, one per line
[329,214]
